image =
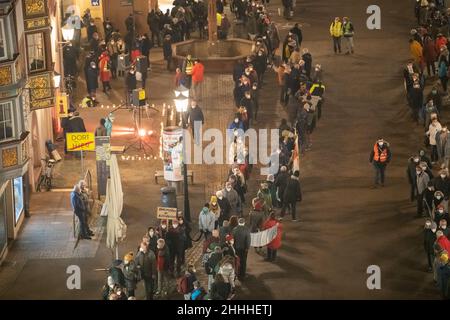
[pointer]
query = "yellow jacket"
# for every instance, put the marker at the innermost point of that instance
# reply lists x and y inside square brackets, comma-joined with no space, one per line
[336,29]
[219,19]
[416,51]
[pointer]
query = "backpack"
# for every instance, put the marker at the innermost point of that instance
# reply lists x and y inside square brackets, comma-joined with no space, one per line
[182,285]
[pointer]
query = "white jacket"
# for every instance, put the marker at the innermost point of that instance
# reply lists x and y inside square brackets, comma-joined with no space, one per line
[432,130]
[227,271]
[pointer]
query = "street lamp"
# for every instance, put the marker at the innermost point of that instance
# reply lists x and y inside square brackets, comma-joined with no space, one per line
[181,105]
[67,33]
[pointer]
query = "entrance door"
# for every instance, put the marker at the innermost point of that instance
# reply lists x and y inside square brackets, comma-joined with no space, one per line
[3,227]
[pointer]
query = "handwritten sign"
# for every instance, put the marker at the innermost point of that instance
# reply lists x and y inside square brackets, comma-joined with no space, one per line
[80,141]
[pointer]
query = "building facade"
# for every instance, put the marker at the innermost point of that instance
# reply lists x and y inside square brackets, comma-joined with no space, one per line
[26,105]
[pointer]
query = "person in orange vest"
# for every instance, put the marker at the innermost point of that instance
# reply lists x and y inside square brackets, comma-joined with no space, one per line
[380,157]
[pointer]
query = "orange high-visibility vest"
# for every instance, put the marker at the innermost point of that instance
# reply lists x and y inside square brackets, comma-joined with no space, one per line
[380,157]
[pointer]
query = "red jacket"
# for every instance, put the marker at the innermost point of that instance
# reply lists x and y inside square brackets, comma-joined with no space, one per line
[276,243]
[105,72]
[441,41]
[197,72]
[134,54]
[444,243]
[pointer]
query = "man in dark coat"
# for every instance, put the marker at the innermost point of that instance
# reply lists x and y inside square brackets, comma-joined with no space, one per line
[116,273]
[153,22]
[129,23]
[442,183]
[241,235]
[175,241]
[146,264]
[80,211]
[196,119]
[225,207]
[308,62]
[281,183]
[291,194]
[298,32]
[413,162]
[76,123]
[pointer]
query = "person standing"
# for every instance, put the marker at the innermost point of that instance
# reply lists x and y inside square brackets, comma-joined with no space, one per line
[379,158]
[336,34]
[241,235]
[130,273]
[429,238]
[292,193]
[188,65]
[146,264]
[348,31]
[105,71]
[92,79]
[206,221]
[153,22]
[197,79]
[108,28]
[233,198]
[430,54]
[162,266]
[443,72]
[196,119]
[433,129]
[167,50]
[131,82]
[176,243]
[422,180]
[80,211]
[275,244]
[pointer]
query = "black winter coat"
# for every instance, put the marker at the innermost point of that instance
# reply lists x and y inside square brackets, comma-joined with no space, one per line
[241,235]
[429,238]
[442,185]
[220,291]
[146,263]
[130,273]
[293,190]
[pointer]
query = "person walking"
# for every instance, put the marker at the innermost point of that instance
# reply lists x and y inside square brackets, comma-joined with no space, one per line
[105,71]
[336,34]
[196,119]
[241,235]
[348,31]
[146,264]
[292,193]
[380,157]
[197,79]
[167,50]
[92,79]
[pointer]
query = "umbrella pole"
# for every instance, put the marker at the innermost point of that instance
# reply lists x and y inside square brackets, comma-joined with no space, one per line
[117,252]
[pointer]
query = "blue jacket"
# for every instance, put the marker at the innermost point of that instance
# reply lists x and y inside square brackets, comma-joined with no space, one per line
[206,220]
[77,203]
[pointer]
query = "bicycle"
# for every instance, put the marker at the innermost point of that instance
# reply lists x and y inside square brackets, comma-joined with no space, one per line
[46,175]
[70,84]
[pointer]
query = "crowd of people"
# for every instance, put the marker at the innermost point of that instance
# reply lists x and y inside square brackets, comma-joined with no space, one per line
[428,176]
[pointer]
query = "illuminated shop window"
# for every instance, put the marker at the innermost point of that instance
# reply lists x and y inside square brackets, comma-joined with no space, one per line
[36,51]
[6,121]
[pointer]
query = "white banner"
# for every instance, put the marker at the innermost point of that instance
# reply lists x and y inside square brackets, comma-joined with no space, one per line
[263,238]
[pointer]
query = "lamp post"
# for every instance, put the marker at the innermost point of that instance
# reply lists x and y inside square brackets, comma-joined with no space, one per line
[181,104]
[64,37]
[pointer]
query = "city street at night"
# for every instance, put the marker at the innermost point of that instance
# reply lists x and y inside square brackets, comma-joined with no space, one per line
[108,193]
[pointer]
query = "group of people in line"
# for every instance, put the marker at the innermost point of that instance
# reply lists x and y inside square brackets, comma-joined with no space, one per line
[428,169]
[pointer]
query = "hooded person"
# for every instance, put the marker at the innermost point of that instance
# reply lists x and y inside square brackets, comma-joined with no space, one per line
[265,195]
[206,221]
[233,198]
[443,227]
[429,238]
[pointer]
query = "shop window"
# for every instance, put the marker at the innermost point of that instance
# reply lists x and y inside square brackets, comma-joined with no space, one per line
[3,51]
[3,227]
[6,121]
[36,51]
[18,198]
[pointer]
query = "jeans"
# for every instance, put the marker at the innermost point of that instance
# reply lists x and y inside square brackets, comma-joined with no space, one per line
[162,281]
[242,254]
[337,44]
[196,90]
[349,43]
[271,254]
[148,286]
[291,206]
[379,172]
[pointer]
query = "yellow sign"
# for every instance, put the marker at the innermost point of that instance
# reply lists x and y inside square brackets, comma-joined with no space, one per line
[165,213]
[141,95]
[80,141]
[62,101]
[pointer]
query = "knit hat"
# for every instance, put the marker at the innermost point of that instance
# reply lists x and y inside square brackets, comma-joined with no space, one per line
[228,238]
[129,256]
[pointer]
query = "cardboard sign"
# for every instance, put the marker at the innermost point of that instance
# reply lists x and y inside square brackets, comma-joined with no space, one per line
[80,141]
[165,213]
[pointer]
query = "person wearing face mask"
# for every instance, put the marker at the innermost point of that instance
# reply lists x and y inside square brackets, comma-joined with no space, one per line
[236,124]
[153,238]
[162,230]
[185,229]
[225,207]
[433,129]
[130,273]
[440,213]
[196,119]
[380,157]
[266,197]
[413,162]
[442,183]
[443,227]
[422,180]
[233,198]
[426,169]
[428,196]
[442,240]
[206,221]
[241,235]
[146,264]
[215,209]
[443,145]
[429,238]
[436,97]
[162,266]
[176,242]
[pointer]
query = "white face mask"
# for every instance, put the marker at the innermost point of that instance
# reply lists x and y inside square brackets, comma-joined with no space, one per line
[175,226]
[232,242]
[443,176]
[418,172]
[441,211]
[228,188]
[433,230]
[163,226]
[443,227]
[236,120]
[380,144]
[438,197]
